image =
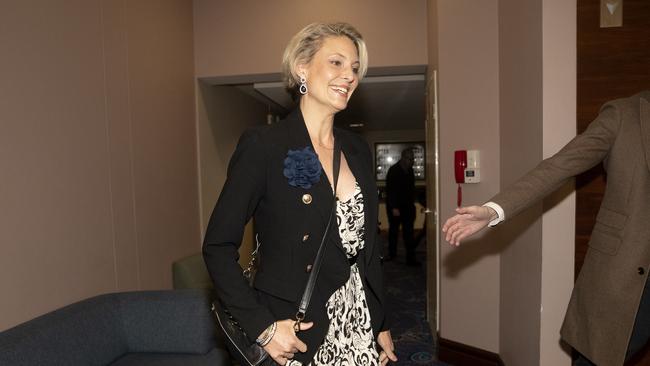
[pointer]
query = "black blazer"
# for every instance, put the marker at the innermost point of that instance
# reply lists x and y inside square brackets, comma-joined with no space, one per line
[290,231]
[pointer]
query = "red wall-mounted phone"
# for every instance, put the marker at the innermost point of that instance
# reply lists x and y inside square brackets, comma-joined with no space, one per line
[466,169]
[460,164]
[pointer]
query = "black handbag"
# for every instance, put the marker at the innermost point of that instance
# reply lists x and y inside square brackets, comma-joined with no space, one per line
[250,353]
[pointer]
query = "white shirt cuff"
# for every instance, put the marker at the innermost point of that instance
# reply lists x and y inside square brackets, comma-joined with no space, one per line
[500,214]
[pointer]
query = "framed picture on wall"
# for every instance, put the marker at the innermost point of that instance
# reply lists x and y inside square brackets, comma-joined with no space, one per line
[388,154]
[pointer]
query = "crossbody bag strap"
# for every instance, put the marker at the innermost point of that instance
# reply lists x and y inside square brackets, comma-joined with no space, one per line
[311,282]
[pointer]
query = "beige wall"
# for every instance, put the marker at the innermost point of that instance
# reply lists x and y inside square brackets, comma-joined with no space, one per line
[469,119]
[538,73]
[520,56]
[558,223]
[99,190]
[249,36]
[432,37]
[507,290]
[224,113]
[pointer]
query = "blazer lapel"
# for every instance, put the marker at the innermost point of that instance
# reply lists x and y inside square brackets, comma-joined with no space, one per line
[645,125]
[321,192]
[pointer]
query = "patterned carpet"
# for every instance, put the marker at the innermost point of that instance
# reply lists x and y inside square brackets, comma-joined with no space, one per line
[406,296]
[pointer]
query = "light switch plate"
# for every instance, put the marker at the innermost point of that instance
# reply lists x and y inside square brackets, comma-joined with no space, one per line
[611,13]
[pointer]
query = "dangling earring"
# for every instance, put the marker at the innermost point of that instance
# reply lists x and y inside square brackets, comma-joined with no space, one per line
[303,85]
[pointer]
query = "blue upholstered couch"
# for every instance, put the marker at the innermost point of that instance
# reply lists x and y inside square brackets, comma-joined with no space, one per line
[142,328]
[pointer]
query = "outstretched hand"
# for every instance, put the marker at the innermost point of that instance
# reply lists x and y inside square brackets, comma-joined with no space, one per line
[467,221]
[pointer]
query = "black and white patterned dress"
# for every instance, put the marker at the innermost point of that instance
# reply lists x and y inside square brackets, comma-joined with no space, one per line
[349,339]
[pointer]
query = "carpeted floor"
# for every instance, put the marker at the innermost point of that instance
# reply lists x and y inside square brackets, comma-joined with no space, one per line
[406,297]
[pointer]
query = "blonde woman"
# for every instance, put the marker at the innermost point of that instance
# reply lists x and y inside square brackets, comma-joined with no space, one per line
[283,176]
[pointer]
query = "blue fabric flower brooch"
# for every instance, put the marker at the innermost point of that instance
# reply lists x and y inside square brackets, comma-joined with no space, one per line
[302,168]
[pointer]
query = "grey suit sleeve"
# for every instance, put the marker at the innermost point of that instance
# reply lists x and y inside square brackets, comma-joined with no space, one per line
[244,187]
[580,154]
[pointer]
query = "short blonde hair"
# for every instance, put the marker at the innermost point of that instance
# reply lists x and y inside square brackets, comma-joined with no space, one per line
[304,45]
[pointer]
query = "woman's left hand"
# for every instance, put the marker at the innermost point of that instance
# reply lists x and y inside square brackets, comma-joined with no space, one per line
[387,353]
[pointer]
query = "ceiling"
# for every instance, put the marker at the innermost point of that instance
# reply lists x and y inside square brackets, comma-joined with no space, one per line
[395,102]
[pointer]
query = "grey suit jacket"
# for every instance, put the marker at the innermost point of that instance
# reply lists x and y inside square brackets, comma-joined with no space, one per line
[606,296]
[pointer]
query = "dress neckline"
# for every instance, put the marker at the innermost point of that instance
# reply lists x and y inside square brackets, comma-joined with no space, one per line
[356,192]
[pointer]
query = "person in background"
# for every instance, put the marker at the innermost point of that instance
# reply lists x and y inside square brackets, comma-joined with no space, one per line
[608,318]
[283,176]
[400,206]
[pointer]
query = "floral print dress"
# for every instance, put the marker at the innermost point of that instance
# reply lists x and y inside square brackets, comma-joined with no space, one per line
[349,339]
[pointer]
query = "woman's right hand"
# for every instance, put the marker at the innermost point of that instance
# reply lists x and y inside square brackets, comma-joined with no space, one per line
[285,344]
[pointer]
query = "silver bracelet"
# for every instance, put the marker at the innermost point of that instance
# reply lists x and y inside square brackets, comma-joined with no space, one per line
[267,335]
